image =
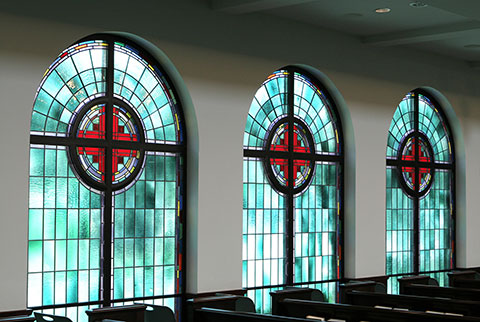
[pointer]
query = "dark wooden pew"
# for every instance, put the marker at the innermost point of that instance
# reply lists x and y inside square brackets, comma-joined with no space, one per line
[295,293]
[218,315]
[128,313]
[427,286]
[354,313]
[228,302]
[413,302]
[16,316]
[365,286]
[464,279]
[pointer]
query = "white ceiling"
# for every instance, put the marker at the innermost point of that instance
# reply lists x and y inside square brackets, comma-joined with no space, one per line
[443,27]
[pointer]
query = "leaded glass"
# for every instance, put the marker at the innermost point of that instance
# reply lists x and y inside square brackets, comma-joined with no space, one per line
[420,185]
[99,166]
[292,173]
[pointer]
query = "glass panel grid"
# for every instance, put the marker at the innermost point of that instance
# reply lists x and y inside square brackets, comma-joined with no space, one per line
[144,86]
[146,223]
[316,223]
[268,105]
[399,227]
[311,105]
[263,229]
[75,77]
[64,232]
[436,225]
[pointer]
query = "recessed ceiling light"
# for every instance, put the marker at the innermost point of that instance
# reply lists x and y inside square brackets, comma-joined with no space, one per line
[383,10]
[418,4]
[472,46]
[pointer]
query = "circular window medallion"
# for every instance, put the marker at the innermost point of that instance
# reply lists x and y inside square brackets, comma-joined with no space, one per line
[416,159]
[122,139]
[284,148]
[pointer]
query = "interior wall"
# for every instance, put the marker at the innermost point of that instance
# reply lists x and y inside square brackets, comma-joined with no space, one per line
[223,60]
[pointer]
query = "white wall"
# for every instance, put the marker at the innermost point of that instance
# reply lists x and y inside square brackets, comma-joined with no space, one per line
[223,59]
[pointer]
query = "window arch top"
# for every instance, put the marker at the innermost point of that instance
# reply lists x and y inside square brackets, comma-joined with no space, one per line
[79,75]
[430,123]
[310,105]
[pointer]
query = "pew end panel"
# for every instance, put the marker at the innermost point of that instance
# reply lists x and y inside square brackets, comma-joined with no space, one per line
[128,313]
[235,303]
[366,286]
[419,279]
[42,317]
[309,294]
[158,313]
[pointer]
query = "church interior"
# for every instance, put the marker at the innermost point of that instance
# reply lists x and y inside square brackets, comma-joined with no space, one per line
[387,199]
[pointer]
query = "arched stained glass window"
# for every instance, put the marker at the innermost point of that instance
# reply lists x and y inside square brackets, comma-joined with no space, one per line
[420,191]
[292,187]
[106,193]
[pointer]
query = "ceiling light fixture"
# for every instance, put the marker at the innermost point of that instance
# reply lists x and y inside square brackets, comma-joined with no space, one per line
[418,4]
[383,10]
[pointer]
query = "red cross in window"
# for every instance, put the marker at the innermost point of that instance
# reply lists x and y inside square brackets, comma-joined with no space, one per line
[283,147]
[410,156]
[98,132]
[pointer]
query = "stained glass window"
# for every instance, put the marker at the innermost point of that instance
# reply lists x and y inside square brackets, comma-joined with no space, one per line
[292,188]
[420,191]
[106,193]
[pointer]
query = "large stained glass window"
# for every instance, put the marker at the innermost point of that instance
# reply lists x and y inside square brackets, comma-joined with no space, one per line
[106,194]
[292,188]
[420,198]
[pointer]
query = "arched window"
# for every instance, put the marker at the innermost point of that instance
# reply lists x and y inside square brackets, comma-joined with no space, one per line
[106,194]
[420,190]
[292,187]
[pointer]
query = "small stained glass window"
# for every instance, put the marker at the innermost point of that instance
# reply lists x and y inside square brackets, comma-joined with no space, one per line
[292,188]
[420,191]
[106,194]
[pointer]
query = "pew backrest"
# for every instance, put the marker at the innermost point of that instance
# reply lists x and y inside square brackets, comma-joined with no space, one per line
[445,292]
[303,308]
[218,315]
[295,293]
[367,286]
[128,313]
[413,302]
[42,317]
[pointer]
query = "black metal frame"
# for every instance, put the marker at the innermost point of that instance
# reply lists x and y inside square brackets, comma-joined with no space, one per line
[415,194]
[108,189]
[290,192]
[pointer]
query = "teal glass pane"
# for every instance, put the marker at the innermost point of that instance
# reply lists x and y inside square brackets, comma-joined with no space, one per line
[147,89]
[399,239]
[436,224]
[402,124]
[146,231]
[269,104]
[316,225]
[312,106]
[263,229]
[77,75]
[434,127]
[63,254]
[262,299]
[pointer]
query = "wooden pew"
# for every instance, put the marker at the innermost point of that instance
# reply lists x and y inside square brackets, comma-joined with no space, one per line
[412,302]
[225,302]
[128,313]
[303,308]
[427,286]
[16,316]
[295,293]
[365,286]
[464,279]
[218,315]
